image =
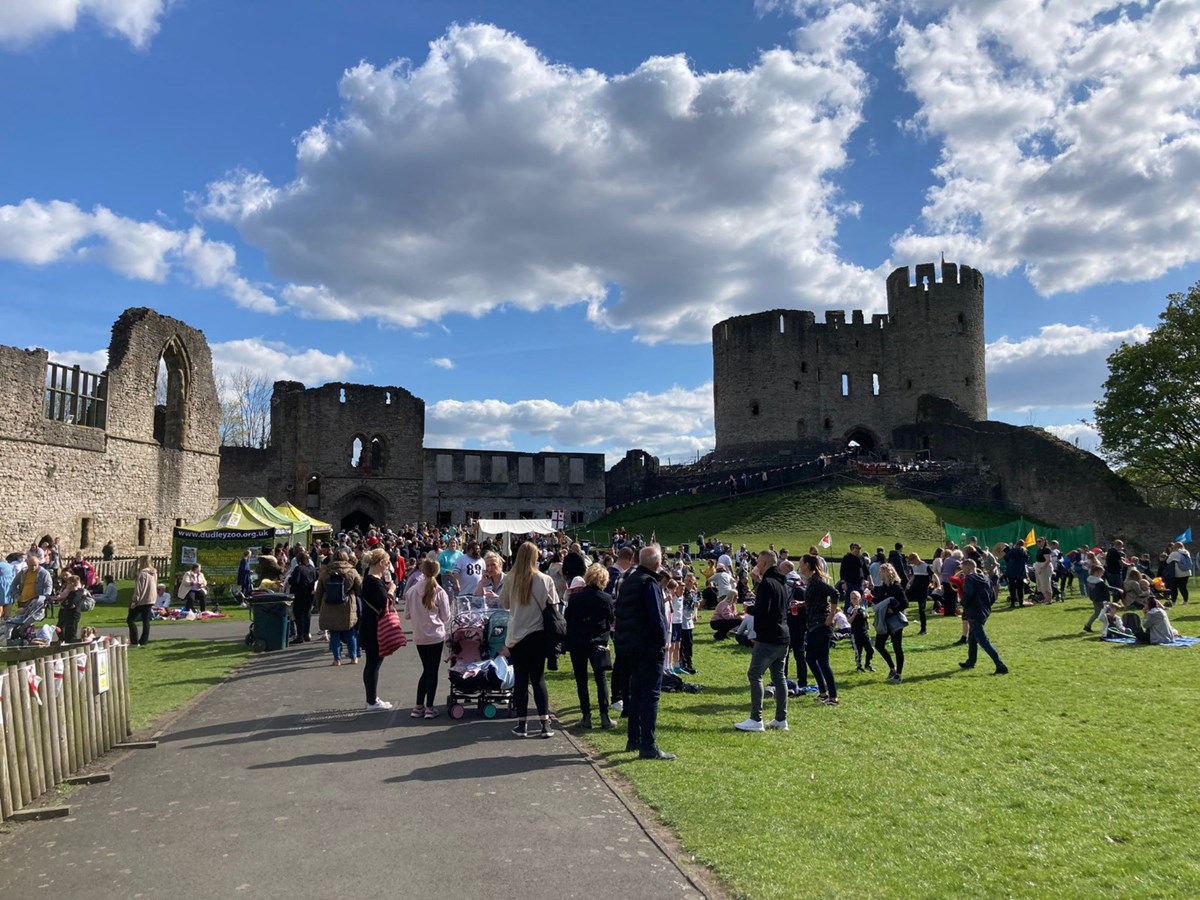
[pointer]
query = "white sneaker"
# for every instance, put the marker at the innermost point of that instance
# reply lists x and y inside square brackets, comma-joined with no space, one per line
[777,725]
[379,705]
[617,707]
[750,725]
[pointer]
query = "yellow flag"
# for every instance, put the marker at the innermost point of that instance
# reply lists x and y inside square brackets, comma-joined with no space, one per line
[1030,539]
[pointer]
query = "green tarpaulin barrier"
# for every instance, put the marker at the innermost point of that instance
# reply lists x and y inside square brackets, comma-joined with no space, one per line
[1068,538]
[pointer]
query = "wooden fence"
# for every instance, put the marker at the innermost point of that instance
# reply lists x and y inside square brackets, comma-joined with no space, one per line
[60,710]
[124,568]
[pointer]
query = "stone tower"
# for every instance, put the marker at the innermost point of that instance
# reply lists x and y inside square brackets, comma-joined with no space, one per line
[783,382]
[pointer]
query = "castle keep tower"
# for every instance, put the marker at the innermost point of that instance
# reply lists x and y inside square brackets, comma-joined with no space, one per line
[784,382]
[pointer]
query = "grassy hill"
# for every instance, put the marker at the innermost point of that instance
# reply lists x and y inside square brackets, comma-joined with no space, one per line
[871,515]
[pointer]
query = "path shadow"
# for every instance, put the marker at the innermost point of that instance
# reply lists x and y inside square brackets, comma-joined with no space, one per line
[489,767]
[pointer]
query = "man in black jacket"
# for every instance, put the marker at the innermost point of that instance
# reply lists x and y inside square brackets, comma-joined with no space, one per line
[977,603]
[853,573]
[641,639]
[772,640]
[900,563]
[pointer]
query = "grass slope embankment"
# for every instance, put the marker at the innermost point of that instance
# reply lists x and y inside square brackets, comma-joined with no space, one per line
[795,518]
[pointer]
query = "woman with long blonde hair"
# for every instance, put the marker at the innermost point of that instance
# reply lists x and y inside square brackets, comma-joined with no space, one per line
[427,605]
[526,593]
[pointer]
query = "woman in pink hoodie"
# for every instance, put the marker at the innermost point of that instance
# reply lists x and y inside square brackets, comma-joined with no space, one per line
[427,606]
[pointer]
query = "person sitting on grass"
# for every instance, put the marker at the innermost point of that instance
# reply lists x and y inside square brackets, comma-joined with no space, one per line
[725,618]
[1111,618]
[1156,624]
[109,595]
[162,604]
[744,633]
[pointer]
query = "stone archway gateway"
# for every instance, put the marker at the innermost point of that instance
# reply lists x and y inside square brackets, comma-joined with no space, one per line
[863,437]
[360,509]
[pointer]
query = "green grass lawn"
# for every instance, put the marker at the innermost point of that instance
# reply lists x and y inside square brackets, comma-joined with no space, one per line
[113,615]
[1074,776]
[168,672]
[796,518]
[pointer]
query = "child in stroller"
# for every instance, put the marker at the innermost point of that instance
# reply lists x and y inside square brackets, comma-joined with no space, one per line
[19,629]
[477,671]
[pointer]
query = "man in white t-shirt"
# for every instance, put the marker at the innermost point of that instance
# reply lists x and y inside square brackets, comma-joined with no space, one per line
[725,560]
[1179,566]
[468,569]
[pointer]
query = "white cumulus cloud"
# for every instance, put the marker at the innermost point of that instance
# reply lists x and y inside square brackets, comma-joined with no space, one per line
[676,423]
[1070,135]
[663,198]
[272,360]
[443,362]
[22,21]
[41,233]
[1061,366]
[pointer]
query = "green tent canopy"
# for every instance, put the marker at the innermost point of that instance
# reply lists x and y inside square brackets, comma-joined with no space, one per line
[219,542]
[284,527]
[293,513]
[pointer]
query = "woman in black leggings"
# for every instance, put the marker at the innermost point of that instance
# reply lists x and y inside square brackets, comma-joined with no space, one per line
[889,602]
[375,596]
[921,580]
[427,605]
[820,604]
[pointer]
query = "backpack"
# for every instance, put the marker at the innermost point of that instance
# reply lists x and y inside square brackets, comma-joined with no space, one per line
[335,589]
[1183,565]
[88,603]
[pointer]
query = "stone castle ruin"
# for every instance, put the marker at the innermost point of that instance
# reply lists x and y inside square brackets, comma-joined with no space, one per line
[784,382]
[92,456]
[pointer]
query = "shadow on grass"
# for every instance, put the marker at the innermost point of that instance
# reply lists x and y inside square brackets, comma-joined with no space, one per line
[1080,635]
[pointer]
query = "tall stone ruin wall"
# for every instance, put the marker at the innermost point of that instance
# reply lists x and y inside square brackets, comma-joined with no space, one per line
[59,475]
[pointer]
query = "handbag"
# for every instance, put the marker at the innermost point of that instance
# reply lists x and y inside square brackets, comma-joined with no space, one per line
[390,634]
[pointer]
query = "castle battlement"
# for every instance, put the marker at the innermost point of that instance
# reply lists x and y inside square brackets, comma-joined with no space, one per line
[785,380]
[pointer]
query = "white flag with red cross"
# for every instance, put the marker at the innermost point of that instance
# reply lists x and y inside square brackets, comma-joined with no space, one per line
[558,519]
[827,541]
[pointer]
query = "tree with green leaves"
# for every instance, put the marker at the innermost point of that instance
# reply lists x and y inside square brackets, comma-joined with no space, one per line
[1149,419]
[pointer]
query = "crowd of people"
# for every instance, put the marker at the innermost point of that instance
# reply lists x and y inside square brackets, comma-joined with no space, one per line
[642,604]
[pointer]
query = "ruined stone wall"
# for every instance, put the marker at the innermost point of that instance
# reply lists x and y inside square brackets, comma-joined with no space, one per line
[120,479]
[489,484]
[1043,477]
[312,437]
[784,383]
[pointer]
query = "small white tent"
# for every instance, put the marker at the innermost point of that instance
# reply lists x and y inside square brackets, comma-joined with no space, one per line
[508,527]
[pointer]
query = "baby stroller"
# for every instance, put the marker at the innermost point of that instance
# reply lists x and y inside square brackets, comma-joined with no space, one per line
[478,674]
[18,630]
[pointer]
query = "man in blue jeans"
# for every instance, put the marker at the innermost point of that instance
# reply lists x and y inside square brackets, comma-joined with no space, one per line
[771,642]
[641,639]
[977,602]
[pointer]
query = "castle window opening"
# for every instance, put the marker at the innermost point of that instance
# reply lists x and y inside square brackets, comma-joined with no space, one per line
[85,533]
[377,449]
[472,515]
[551,469]
[754,407]
[445,518]
[910,384]
[924,441]
[387,398]
[356,452]
[845,384]
[312,493]
[444,467]
[179,523]
[801,428]
[170,396]
[726,331]
[143,533]
[967,381]
[526,514]
[575,470]
[803,367]
[874,384]
[74,396]
[496,514]
[828,423]
[576,517]
[795,385]
[473,467]
[781,330]
[962,324]
[499,470]
[342,396]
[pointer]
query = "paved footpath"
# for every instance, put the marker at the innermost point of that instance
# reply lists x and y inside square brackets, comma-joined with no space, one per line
[279,784]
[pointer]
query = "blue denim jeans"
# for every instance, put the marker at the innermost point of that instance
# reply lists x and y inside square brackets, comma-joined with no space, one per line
[641,707]
[768,656]
[351,639]
[978,638]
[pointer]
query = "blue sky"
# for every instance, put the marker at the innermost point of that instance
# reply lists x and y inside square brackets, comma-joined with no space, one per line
[531,214]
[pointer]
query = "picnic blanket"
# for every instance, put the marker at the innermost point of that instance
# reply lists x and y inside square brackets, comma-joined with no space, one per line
[1178,642]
